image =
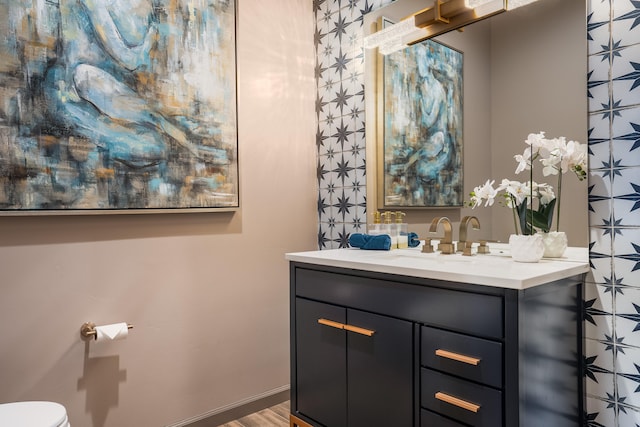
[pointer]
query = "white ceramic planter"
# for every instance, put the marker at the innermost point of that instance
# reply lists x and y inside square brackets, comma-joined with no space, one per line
[555,243]
[526,248]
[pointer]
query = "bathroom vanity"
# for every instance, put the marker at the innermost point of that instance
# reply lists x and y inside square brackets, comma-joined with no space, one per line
[402,338]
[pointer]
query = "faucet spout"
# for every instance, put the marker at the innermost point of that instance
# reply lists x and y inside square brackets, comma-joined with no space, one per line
[464,227]
[446,242]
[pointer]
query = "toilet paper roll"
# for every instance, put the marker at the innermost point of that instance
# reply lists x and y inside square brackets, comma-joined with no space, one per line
[113,332]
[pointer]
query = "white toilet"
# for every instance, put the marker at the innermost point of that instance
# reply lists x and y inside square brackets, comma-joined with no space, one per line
[33,414]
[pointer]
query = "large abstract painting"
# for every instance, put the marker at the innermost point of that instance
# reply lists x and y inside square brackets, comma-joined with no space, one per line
[422,118]
[117,105]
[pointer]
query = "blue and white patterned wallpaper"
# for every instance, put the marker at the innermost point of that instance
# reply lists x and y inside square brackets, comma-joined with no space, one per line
[340,108]
[612,300]
[612,294]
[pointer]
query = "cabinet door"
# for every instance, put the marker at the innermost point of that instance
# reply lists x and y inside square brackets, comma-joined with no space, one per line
[380,371]
[321,363]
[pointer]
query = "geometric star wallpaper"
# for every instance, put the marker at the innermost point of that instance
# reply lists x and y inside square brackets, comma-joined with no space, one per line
[340,135]
[612,297]
[612,292]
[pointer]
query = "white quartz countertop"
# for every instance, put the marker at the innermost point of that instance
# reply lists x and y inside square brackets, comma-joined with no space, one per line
[496,269]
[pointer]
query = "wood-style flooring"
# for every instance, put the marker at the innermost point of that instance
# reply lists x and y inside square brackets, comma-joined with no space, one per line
[275,416]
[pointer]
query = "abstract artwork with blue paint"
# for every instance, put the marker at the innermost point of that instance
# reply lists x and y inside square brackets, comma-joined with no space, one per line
[115,105]
[422,151]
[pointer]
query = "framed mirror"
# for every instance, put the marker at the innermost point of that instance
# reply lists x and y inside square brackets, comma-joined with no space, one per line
[524,71]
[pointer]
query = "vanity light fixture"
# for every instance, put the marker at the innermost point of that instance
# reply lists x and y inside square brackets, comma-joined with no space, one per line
[440,17]
[390,38]
[456,14]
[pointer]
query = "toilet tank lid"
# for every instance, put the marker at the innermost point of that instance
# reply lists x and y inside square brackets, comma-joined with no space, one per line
[32,414]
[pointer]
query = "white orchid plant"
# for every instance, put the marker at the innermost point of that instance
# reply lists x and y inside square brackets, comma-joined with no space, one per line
[558,156]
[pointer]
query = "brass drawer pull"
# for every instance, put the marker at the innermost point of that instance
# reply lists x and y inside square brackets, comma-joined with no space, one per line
[361,331]
[331,323]
[457,402]
[458,357]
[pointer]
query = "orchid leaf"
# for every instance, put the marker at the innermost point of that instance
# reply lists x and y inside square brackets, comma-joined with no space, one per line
[523,214]
[532,220]
[546,211]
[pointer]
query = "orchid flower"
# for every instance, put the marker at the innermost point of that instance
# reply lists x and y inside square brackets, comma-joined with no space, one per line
[485,192]
[557,156]
[517,190]
[524,161]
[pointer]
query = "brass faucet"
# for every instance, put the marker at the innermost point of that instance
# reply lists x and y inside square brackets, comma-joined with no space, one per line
[464,227]
[446,242]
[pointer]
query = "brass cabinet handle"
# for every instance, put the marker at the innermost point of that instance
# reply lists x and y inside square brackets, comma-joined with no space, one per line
[351,328]
[458,357]
[457,402]
[361,331]
[331,323]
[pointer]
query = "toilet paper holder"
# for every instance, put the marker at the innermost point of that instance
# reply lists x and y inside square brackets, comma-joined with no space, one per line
[88,330]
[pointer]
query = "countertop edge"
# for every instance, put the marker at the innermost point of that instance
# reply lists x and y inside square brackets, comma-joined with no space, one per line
[570,269]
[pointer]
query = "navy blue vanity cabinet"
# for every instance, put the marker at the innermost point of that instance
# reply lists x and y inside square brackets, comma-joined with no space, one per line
[373,349]
[353,368]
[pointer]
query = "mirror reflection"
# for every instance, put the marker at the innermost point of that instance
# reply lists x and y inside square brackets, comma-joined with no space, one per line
[524,72]
[421,147]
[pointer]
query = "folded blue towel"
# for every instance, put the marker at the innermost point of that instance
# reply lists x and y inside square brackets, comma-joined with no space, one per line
[381,242]
[414,240]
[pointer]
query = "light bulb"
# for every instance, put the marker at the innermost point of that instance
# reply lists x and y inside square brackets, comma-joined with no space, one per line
[512,4]
[472,4]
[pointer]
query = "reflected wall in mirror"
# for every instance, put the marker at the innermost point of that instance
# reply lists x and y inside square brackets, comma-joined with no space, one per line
[524,72]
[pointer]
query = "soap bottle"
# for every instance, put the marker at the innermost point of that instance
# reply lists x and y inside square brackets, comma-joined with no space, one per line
[390,228]
[375,228]
[402,233]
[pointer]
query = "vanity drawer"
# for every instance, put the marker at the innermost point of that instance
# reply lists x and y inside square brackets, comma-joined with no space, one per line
[481,359]
[469,403]
[462,311]
[430,419]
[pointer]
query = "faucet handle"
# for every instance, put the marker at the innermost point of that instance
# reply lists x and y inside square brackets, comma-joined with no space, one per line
[483,248]
[427,248]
